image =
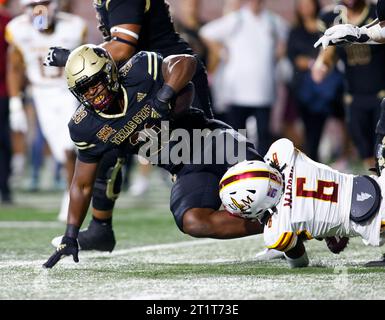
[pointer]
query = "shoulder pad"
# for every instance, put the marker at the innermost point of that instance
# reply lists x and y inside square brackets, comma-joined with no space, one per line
[280,153]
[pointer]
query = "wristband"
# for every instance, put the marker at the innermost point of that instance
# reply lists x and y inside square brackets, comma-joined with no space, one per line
[165,93]
[15,104]
[72,231]
[375,33]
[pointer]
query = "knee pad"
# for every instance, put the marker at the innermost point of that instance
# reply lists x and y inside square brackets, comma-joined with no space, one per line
[107,185]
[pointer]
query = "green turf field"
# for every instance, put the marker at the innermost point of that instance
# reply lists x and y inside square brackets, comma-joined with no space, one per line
[154,260]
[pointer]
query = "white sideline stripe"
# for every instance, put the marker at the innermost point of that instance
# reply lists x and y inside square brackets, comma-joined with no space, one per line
[175,245]
[31,224]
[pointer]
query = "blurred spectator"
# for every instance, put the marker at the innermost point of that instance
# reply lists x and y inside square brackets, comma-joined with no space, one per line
[254,40]
[216,60]
[5,140]
[314,101]
[187,23]
[362,62]
[30,35]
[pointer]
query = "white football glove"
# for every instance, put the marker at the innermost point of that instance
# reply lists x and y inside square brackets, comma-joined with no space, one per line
[17,116]
[339,33]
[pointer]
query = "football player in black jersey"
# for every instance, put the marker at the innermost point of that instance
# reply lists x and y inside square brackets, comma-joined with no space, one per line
[372,33]
[129,27]
[362,62]
[112,117]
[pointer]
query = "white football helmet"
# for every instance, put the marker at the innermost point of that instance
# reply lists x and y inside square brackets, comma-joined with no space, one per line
[250,188]
[41,12]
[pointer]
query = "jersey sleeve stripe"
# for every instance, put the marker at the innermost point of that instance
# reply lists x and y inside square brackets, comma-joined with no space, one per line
[283,241]
[306,233]
[289,243]
[155,66]
[81,143]
[86,147]
[149,63]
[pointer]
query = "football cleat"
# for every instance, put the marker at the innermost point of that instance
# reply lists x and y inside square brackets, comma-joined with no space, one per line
[269,254]
[97,236]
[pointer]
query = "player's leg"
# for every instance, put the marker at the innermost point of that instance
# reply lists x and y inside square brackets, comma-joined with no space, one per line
[379,146]
[362,128]
[380,165]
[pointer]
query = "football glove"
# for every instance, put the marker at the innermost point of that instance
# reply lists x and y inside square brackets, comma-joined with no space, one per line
[336,244]
[17,116]
[56,57]
[342,33]
[69,246]
[160,109]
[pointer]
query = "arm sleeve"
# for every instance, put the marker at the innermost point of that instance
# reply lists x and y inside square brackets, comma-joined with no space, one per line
[126,12]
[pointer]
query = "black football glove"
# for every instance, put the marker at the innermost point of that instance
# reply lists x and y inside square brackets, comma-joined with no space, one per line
[159,109]
[56,57]
[69,246]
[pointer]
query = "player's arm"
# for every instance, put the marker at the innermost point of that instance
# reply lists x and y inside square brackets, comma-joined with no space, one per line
[15,78]
[124,39]
[80,197]
[81,192]
[177,72]
[373,33]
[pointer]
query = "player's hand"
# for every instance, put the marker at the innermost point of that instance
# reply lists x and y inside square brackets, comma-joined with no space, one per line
[56,57]
[336,244]
[338,34]
[68,247]
[17,117]
[162,108]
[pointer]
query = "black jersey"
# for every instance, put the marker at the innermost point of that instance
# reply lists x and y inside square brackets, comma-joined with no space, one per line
[157,29]
[364,64]
[97,133]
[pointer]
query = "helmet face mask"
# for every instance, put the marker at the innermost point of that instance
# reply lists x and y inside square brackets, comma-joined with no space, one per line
[251,189]
[92,77]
